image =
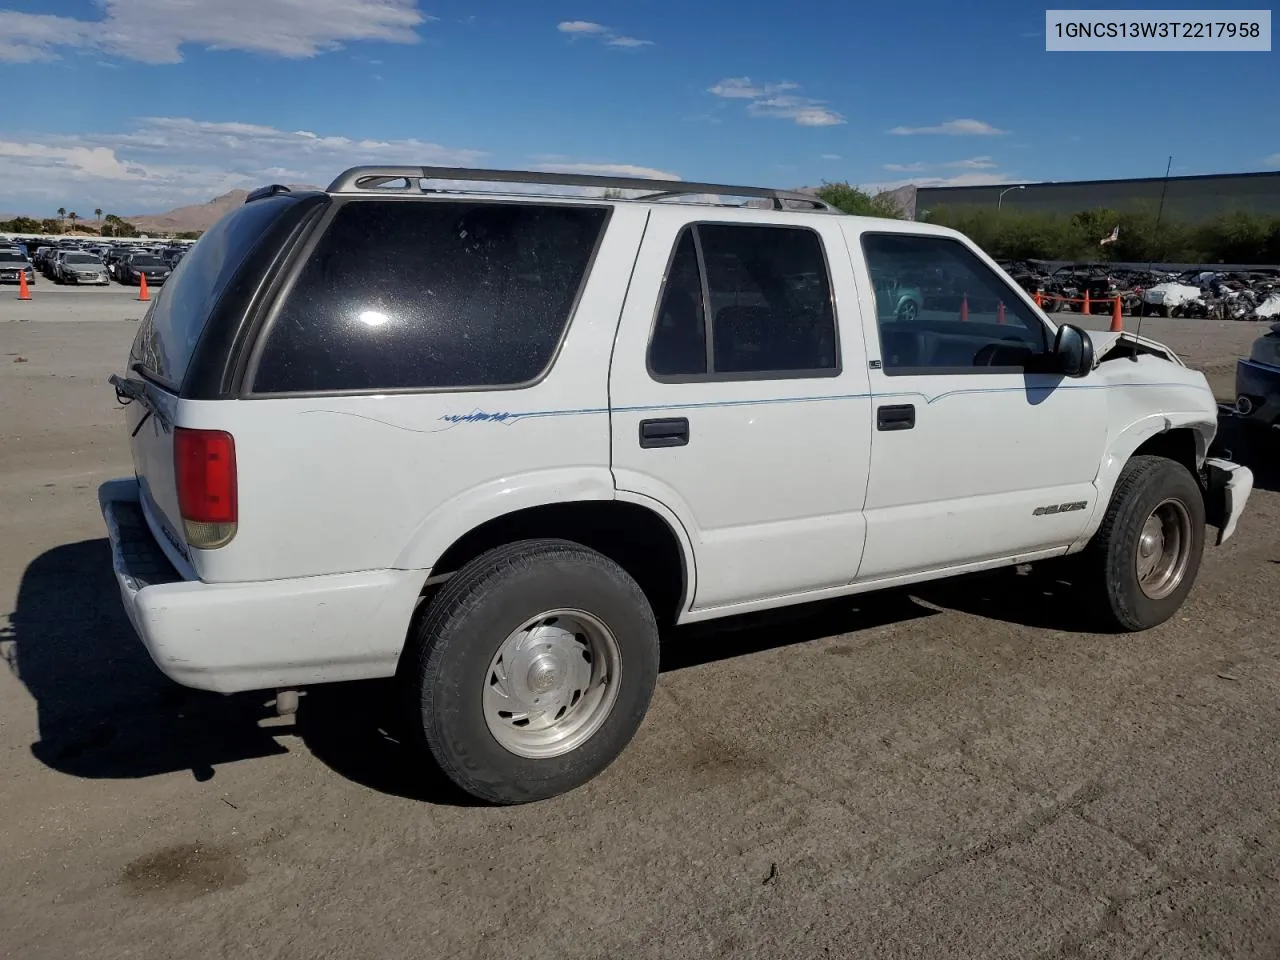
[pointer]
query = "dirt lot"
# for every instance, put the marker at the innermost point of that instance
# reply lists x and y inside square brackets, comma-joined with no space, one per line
[951,772]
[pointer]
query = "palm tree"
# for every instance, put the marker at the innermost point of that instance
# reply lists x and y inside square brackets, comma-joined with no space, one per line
[73,217]
[97,213]
[62,212]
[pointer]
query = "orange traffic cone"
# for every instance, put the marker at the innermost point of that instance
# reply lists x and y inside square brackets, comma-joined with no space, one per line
[1039,299]
[24,292]
[1000,313]
[964,307]
[1085,308]
[1117,320]
[143,294]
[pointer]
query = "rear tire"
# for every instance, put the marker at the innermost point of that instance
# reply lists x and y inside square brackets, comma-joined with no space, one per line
[1144,558]
[559,635]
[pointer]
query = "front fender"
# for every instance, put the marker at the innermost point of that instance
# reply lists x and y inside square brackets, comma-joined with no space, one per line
[449,521]
[1122,446]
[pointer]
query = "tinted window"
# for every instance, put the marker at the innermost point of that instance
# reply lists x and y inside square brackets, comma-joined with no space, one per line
[767,293]
[939,307]
[145,261]
[79,258]
[422,295]
[7,256]
[171,329]
[679,346]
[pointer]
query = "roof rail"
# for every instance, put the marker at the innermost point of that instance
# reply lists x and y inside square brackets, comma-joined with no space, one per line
[358,179]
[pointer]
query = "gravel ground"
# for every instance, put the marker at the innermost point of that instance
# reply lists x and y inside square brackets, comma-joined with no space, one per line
[955,771]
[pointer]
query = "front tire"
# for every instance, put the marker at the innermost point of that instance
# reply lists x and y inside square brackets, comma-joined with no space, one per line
[532,670]
[1143,561]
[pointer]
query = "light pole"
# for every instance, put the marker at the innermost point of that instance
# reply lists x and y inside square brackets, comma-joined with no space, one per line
[1000,199]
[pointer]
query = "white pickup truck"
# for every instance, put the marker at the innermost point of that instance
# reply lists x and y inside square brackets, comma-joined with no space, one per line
[490,441]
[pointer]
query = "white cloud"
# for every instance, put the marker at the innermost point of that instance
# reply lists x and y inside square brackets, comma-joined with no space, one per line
[973,163]
[959,180]
[831,156]
[774,100]
[904,167]
[581,26]
[1273,160]
[955,128]
[587,28]
[609,170]
[161,162]
[742,88]
[154,31]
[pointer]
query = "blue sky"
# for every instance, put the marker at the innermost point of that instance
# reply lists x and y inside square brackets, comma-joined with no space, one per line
[141,105]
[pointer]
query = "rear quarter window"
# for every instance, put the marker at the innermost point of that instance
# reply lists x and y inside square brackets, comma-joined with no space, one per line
[409,295]
[171,329]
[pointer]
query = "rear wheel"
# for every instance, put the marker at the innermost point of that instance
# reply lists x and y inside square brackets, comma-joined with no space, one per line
[531,670]
[1143,561]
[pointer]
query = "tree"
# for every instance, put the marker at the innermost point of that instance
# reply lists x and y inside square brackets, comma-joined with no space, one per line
[853,200]
[73,217]
[62,212]
[189,235]
[50,225]
[21,225]
[97,213]
[113,226]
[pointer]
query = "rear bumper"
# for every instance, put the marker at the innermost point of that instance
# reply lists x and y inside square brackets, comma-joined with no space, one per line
[231,637]
[1260,384]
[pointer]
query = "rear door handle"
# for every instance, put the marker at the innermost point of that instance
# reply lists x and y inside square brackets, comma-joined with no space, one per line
[898,416]
[669,432]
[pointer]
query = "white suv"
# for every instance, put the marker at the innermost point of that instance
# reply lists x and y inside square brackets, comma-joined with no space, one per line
[489,442]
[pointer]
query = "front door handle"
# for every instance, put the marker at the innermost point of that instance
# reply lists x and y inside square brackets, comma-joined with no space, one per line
[898,416]
[668,432]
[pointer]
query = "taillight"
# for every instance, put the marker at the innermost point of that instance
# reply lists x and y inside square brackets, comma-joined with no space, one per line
[205,471]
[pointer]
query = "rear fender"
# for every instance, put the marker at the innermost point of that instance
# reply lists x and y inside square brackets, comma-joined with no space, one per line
[449,521]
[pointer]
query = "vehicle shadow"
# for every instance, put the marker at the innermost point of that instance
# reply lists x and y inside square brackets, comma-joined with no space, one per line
[106,712]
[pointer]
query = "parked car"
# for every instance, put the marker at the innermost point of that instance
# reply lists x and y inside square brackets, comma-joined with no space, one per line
[489,443]
[113,256]
[1258,381]
[131,269]
[79,268]
[12,264]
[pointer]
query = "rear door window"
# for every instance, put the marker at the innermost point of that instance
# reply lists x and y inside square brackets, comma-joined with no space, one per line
[171,329]
[408,295]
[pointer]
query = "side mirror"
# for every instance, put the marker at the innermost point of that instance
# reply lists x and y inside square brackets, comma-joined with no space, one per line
[1074,351]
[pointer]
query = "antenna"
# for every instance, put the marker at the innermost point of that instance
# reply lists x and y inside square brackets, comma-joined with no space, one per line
[1155,235]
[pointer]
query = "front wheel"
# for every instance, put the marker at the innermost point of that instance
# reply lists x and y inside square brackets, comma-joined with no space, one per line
[1142,562]
[531,670]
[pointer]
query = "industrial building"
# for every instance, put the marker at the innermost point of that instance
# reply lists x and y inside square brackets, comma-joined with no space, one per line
[1188,198]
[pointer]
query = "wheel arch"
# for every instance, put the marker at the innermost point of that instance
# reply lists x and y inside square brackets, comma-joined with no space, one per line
[1184,439]
[644,538]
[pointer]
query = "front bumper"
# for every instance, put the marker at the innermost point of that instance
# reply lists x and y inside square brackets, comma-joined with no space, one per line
[1229,487]
[87,278]
[261,635]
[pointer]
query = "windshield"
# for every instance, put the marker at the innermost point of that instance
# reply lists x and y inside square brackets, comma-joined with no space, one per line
[81,258]
[8,256]
[147,261]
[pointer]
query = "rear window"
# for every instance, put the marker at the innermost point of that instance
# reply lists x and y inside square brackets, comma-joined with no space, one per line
[8,256]
[171,329]
[430,295]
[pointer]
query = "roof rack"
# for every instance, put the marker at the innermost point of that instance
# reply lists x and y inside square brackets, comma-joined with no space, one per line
[360,179]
